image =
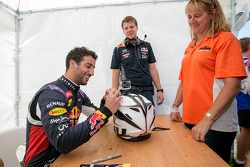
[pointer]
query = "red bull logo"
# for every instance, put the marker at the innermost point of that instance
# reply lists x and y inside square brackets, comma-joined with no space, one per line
[93,119]
[97,127]
[96,116]
[74,113]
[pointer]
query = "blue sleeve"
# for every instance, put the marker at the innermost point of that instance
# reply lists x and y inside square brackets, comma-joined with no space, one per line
[151,58]
[57,126]
[116,59]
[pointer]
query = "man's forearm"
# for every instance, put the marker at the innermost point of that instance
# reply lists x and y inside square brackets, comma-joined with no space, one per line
[115,78]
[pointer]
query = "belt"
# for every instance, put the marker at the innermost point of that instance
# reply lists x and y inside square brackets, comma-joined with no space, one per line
[142,87]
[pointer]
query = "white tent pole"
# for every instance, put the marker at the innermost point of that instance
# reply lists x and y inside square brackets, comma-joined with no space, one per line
[16,57]
[17,74]
[233,14]
[98,5]
[8,8]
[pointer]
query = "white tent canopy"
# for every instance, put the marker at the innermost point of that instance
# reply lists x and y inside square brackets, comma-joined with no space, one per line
[26,5]
[35,37]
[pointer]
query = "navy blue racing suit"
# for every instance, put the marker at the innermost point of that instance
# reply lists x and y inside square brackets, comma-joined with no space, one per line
[52,122]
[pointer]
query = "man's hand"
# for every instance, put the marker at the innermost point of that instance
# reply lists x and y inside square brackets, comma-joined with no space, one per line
[175,115]
[106,93]
[113,98]
[160,97]
[200,130]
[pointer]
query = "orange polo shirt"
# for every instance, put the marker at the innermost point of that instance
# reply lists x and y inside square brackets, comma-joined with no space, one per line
[213,57]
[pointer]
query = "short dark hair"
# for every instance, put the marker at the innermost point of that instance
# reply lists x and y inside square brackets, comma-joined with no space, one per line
[244,42]
[77,54]
[129,19]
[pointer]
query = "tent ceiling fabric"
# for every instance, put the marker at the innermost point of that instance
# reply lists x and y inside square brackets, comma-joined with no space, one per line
[25,5]
[38,5]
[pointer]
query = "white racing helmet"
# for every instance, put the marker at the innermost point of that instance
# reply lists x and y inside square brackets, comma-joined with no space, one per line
[135,117]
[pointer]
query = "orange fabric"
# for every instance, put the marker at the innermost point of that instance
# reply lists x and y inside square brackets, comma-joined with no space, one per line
[213,57]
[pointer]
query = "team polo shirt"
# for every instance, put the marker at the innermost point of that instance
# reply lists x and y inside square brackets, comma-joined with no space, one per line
[203,67]
[135,61]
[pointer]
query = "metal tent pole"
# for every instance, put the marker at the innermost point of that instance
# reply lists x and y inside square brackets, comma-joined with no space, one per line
[16,14]
[99,5]
[17,72]
[233,14]
[8,8]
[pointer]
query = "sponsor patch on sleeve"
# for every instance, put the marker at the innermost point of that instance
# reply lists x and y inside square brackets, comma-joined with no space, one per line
[122,44]
[55,103]
[96,121]
[103,115]
[57,111]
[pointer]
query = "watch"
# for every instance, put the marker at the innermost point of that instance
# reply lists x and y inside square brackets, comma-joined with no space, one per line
[209,116]
[160,90]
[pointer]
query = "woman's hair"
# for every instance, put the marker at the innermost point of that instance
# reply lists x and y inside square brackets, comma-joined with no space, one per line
[213,8]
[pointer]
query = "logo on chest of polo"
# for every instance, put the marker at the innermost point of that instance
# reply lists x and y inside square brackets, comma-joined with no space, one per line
[144,53]
[125,53]
[205,48]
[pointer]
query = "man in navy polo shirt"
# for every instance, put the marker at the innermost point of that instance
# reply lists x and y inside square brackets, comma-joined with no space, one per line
[133,62]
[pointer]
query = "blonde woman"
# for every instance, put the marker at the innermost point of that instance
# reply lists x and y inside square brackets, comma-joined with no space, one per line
[211,72]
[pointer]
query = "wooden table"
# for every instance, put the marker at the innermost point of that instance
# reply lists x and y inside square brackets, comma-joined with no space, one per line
[168,148]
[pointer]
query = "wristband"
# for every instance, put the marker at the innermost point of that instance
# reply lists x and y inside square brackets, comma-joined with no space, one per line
[160,90]
[209,116]
[175,106]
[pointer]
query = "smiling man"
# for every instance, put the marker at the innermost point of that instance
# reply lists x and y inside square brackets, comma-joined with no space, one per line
[133,62]
[52,121]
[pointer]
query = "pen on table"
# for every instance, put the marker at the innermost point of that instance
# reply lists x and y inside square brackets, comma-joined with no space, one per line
[113,156]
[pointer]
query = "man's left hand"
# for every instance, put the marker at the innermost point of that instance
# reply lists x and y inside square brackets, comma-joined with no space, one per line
[107,92]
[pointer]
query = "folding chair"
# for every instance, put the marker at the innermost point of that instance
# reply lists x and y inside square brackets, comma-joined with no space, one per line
[9,141]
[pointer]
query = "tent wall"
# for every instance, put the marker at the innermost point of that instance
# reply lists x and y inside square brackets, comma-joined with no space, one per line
[47,37]
[7,70]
